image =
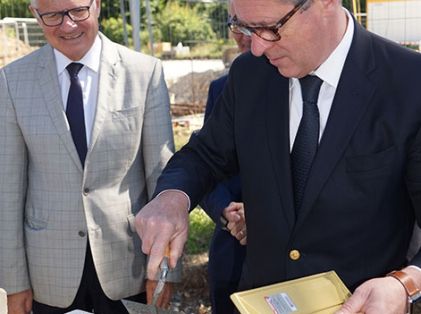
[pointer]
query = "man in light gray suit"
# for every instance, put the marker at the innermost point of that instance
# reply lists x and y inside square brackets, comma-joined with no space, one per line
[80,155]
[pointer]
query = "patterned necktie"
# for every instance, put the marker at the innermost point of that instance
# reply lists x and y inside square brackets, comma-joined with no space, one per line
[74,111]
[307,139]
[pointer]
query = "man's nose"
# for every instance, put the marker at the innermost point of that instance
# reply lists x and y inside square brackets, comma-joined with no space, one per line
[68,22]
[259,45]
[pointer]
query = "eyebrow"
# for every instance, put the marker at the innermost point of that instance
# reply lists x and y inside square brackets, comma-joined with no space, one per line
[256,24]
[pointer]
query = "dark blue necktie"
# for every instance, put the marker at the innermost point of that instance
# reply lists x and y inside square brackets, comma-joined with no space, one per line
[74,111]
[307,140]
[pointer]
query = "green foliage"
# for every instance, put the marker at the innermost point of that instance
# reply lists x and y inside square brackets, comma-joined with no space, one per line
[200,225]
[182,24]
[14,8]
[212,50]
[200,232]
[181,137]
[218,14]
[144,38]
[111,8]
[113,29]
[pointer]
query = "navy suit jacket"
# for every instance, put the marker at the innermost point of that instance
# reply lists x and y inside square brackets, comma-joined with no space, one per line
[226,254]
[229,190]
[357,216]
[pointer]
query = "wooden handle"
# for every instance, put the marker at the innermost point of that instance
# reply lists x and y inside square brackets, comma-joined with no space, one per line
[167,252]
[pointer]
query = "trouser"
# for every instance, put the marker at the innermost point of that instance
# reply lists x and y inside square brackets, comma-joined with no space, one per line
[90,297]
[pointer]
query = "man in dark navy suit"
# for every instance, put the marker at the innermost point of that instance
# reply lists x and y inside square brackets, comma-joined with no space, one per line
[224,204]
[320,120]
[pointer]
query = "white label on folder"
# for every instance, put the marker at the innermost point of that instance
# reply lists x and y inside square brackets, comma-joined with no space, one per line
[281,303]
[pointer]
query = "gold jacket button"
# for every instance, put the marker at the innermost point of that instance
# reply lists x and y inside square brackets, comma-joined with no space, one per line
[294,255]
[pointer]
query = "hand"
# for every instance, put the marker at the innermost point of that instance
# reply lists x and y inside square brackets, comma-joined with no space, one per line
[165,297]
[380,295]
[234,214]
[163,223]
[20,303]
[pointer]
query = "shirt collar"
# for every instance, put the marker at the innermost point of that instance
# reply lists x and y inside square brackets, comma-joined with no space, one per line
[330,70]
[91,59]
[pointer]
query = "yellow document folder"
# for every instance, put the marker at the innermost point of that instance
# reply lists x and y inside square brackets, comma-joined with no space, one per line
[322,294]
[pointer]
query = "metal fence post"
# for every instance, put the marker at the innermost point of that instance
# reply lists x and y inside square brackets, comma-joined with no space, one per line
[25,33]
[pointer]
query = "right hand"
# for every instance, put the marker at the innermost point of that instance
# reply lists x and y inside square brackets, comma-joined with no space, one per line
[234,214]
[20,303]
[163,223]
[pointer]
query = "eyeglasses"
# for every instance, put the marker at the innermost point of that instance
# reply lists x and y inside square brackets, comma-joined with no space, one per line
[78,14]
[232,26]
[268,33]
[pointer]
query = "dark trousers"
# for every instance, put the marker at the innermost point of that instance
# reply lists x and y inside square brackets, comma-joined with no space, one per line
[226,258]
[90,297]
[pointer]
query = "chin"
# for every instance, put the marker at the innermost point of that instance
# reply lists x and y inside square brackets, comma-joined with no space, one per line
[288,72]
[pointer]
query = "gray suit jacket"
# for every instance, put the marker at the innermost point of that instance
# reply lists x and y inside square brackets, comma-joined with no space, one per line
[48,203]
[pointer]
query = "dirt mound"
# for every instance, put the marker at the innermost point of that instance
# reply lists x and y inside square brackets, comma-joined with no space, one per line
[12,48]
[188,95]
[192,294]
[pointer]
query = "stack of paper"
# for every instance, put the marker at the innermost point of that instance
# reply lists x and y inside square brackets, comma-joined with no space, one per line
[322,294]
[3,301]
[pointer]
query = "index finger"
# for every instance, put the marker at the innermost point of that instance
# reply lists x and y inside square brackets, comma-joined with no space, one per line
[157,253]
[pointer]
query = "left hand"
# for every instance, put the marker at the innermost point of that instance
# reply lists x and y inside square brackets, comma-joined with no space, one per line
[165,297]
[20,303]
[234,214]
[380,295]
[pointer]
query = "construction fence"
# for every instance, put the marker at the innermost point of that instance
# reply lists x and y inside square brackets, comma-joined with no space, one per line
[398,20]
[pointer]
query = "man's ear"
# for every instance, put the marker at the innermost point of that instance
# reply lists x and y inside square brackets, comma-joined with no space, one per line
[329,6]
[35,14]
[327,3]
[31,8]
[98,7]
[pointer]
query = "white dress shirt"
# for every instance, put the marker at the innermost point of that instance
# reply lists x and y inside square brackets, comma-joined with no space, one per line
[329,72]
[88,77]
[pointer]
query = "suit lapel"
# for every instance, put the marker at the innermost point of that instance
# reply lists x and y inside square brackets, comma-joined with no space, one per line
[353,94]
[49,86]
[277,132]
[108,74]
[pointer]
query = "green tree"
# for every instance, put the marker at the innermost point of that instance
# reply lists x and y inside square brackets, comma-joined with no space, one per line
[14,8]
[218,14]
[113,29]
[182,23]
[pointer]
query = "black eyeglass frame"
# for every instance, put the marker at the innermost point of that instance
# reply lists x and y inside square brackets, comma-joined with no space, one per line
[86,8]
[236,27]
[232,27]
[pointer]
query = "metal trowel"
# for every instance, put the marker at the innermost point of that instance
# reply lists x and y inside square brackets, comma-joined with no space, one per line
[152,308]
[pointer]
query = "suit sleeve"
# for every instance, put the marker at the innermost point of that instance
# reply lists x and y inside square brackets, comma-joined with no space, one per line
[157,136]
[208,157]
[157,139]
[13,175]
[229,190]
[210,101]
[224,193]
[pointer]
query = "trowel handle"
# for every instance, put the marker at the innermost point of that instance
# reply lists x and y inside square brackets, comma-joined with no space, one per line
[167,252]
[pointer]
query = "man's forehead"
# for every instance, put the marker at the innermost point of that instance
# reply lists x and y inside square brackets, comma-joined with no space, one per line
[260,12]
[61,3]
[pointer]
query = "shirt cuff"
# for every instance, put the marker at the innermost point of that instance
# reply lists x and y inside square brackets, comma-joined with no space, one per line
[415,267]
[178,191]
